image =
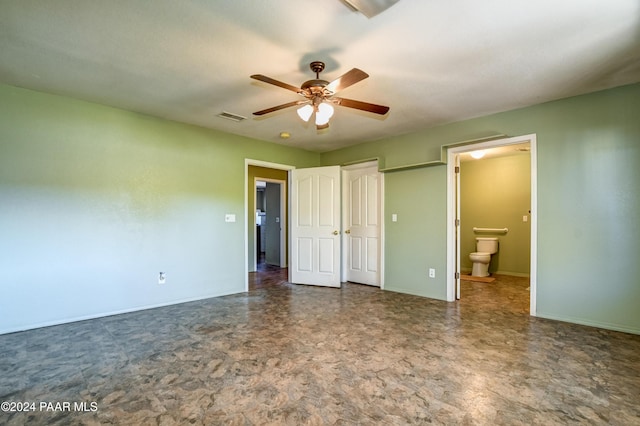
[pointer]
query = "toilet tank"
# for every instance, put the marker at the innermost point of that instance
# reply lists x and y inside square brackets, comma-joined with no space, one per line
[487,245]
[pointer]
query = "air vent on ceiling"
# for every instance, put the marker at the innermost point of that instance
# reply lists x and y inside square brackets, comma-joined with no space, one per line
[231,116]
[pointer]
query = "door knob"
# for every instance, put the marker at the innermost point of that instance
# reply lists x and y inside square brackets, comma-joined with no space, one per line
[335,232]
[348,231]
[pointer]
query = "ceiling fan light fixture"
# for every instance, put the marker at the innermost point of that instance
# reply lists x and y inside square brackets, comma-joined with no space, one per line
[305,112]
[324,113]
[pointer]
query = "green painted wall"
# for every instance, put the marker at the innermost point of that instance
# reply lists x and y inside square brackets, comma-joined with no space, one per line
[588,203]
[96,201]
[496,193]
[416,197]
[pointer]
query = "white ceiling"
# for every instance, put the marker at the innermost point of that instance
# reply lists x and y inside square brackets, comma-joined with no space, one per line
[431,61]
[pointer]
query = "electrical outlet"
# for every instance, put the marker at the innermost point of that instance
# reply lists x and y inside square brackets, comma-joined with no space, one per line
[162,278]
[432,273]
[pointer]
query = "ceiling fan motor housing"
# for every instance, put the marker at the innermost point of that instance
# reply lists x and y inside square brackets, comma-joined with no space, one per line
[315,87]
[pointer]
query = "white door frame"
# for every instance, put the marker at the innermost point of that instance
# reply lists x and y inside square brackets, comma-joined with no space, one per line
[452,257]
[250,162]
[283,220]
[344,239]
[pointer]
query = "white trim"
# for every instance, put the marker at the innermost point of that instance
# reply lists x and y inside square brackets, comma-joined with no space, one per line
[451,206]
[589,323]
[267,164]
[254,267]
[451,228]
[457,227]
[364,165]
[382,231]
[251,162]
[533,268]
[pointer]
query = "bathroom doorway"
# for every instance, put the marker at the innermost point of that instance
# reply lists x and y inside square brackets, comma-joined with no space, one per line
[498,205]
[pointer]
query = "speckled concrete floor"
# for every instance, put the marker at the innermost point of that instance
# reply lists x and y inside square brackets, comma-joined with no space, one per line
[285,354]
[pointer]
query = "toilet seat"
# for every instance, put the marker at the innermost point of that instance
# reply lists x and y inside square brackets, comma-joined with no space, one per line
[480,257]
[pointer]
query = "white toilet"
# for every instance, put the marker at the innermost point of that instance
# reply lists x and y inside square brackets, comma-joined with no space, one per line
[482,257]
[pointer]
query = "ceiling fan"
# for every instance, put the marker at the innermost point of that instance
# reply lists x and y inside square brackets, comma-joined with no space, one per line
[319,95]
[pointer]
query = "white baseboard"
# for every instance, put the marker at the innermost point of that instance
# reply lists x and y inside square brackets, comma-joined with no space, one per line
[597,324]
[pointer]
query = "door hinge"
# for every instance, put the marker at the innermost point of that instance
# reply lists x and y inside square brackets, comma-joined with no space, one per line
[457,169]
[457,222]
[457,275]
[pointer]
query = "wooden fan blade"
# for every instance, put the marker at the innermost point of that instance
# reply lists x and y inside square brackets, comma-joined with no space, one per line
[346,80]
[270,80]
[364,106]
[279,107]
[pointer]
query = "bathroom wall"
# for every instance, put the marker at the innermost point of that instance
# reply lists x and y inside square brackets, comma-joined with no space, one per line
[496,193]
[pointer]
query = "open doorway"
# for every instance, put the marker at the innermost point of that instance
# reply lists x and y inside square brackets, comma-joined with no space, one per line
[271,212]
[498,208]
[275,177]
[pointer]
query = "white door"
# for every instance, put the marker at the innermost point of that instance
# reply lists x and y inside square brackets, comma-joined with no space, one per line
[362,225]
[315,226]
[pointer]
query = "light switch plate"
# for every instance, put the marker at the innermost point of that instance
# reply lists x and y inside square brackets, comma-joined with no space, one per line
[229,217]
